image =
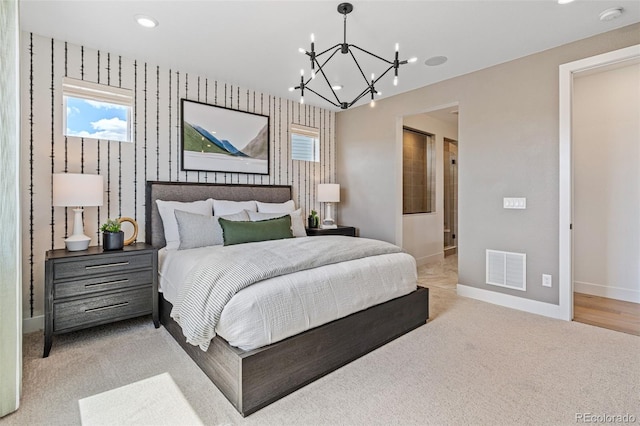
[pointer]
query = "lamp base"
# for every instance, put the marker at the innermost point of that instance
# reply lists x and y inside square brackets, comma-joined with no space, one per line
[326,226]
[77,242]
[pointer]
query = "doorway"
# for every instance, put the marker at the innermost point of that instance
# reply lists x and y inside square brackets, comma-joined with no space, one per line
[423,233]
[450,193]
[606,197]
[567,240]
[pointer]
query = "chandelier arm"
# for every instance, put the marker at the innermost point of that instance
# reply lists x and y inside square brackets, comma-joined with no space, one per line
[325,51]
[327,80]
[383,74]
[372,54]
[328,59]
[318,94]
[358,65]
[360,96]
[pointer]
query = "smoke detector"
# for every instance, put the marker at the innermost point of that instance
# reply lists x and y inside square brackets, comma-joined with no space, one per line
[611,14]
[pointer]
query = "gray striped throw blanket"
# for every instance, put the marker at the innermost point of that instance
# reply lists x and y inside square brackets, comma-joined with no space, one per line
[227,270]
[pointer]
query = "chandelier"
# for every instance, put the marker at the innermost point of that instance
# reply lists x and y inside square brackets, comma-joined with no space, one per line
[345,48]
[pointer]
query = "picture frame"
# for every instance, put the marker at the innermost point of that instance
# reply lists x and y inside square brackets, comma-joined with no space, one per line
[218,139]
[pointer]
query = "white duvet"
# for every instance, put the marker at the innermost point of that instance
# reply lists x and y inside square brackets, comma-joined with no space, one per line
[277,308]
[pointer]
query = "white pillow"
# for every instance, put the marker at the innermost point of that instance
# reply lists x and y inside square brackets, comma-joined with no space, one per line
[226,207]
[286,207]
[297,224]
[166,210]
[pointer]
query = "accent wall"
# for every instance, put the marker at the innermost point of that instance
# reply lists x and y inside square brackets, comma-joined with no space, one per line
[153,155]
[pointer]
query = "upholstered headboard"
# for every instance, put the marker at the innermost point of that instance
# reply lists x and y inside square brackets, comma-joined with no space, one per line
[193,191]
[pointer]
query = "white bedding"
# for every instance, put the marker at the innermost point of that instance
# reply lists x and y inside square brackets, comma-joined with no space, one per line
[277,308]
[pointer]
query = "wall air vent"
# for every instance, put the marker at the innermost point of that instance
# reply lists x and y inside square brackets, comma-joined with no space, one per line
[507,269]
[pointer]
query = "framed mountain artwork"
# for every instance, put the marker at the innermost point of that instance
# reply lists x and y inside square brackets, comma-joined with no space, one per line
[216,139]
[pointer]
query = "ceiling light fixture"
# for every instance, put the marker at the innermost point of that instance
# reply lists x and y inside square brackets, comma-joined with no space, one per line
[345,48]
[146,21]
[565,1]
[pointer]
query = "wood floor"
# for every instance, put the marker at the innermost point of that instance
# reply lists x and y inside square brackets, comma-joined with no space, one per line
[607,313]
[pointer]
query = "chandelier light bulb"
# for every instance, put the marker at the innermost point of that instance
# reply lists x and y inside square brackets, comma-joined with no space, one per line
[301,99]
[313,74]
[397,47]
[412,60]
[373,77]
[372,103]
[301,50]
[302,72]
[378,93]
[395,80]
[291,89]
[313,38]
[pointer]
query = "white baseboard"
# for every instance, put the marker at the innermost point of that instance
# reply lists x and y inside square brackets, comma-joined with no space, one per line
[618,293]
[431,259]
[29,325]
[513,302]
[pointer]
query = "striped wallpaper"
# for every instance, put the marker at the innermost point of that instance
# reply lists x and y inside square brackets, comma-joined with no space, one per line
[153,155]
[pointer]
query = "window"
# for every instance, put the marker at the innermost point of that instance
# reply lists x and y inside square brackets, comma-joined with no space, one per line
[418,172]
[97,111]
[305,143]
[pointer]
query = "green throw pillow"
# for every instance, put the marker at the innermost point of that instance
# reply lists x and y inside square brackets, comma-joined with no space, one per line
[250,232]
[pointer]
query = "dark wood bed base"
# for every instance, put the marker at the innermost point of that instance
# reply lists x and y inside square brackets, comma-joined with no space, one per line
[253,379]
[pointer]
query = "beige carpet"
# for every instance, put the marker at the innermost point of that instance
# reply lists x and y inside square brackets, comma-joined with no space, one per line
[473,363]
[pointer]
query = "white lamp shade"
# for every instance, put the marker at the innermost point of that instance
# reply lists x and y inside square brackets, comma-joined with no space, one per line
[77,189]
[329,193]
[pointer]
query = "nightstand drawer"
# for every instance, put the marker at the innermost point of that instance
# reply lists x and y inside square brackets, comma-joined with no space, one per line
[94,265]
[101,283]
[99,309]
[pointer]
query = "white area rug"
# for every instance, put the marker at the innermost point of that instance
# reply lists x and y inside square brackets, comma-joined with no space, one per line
[153,401]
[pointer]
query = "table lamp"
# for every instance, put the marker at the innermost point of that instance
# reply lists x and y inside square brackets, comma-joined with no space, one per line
[329,193]
[77,190]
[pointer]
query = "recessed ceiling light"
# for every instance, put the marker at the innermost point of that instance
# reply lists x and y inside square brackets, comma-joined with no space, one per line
[565,1]
[146,21]
[610,14]
[434,61]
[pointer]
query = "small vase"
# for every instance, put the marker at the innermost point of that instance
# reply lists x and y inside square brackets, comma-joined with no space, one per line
[112,240]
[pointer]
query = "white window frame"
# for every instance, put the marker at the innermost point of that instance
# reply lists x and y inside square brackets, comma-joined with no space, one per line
[82,89]
[307,132]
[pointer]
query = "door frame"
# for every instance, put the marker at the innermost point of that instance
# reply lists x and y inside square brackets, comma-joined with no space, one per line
[567,72]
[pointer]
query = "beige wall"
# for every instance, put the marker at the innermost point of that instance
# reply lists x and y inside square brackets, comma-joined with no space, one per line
[10,283]
[508,147]
[606,155]
[423,234]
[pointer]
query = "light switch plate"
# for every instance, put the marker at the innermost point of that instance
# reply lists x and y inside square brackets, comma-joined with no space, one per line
[515,203]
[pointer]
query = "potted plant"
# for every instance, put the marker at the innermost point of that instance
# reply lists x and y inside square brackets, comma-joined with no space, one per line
[313,219]
[112,235]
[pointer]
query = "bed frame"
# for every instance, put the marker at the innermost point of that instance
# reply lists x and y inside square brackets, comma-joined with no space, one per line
[253,379]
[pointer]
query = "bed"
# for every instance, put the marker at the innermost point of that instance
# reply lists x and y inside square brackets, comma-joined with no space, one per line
[251,379]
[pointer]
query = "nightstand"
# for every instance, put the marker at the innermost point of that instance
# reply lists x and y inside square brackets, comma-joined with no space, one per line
[93,287]
[348,231]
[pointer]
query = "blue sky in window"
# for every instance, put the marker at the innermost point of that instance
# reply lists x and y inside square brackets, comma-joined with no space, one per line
[97,120]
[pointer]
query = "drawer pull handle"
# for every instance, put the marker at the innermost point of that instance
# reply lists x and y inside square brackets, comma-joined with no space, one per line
[108,265]
[115,305]
[108,282]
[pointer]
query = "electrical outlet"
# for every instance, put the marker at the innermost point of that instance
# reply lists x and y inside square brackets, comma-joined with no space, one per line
[546,280]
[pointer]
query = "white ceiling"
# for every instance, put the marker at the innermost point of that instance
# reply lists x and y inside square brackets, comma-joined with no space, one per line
[255,44]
